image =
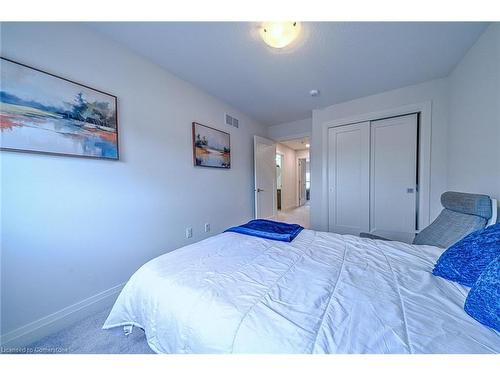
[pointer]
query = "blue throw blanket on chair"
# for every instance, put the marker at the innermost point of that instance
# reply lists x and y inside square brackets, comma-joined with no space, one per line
[272,230]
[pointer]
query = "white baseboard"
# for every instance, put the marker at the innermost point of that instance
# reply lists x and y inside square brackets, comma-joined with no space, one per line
[61,319]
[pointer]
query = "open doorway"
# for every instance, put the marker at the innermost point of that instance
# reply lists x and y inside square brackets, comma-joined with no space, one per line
[293,177]
[279,178]
[304,181]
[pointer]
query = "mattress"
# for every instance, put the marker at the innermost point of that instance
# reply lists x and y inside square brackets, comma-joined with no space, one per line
[322,293]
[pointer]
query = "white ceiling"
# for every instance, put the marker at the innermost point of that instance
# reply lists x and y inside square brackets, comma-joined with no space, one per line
[343,60]
[297,144]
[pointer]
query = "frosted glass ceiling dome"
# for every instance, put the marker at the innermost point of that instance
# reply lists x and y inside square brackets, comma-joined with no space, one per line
[279,34]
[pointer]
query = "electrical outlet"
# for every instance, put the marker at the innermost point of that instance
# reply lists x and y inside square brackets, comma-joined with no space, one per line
[207,227]
[189,232]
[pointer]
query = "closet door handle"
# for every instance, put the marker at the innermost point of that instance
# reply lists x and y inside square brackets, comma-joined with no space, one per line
[410,190]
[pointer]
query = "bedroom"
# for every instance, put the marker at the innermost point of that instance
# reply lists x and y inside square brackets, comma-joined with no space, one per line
[197,118]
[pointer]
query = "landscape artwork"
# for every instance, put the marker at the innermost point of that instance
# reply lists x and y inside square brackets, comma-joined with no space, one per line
[211,147]
[40,112]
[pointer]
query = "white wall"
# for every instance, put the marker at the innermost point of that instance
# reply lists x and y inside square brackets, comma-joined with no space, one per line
[290,130]
[434,91]
[289,177]
[73,227]
[474,124]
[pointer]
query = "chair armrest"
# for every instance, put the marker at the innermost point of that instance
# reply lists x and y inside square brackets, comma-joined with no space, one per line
[373,237]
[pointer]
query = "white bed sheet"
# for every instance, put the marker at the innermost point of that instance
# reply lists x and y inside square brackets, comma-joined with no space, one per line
[322,293]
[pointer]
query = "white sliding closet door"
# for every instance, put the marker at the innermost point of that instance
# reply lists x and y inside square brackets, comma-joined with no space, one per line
[348,175]
[393,177]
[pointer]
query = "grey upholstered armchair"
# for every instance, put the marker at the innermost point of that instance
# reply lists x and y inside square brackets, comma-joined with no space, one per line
[463,213]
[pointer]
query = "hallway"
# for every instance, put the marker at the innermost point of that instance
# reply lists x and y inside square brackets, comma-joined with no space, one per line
[299,215]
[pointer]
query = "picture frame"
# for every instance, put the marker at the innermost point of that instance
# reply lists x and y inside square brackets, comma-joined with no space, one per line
[44,113]
[211,147]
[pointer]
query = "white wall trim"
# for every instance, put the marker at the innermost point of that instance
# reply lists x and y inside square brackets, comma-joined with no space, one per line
[54,322]
[425,109]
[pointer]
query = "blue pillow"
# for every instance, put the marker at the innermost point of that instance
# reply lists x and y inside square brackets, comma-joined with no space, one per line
[483,301]
[464,261]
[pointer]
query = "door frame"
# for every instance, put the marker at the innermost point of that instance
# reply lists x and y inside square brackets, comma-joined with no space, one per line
[424,150]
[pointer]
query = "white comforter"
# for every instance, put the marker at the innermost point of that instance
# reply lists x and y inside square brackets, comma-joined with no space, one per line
[322,293]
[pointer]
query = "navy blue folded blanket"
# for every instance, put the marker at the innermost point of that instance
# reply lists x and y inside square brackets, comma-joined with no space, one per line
[272,230]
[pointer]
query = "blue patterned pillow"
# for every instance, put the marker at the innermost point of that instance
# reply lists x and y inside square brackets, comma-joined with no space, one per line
[483,301]
[464,261]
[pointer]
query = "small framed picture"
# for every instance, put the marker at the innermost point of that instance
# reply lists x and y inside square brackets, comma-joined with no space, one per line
[211,147]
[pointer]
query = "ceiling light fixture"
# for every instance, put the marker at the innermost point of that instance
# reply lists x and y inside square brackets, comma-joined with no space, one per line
[279,34]
[314,93]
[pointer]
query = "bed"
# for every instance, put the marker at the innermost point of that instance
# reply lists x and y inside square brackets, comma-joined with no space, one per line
[321,293]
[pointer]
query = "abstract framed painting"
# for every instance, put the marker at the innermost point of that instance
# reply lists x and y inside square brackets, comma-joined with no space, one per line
[43,113]
[211,147]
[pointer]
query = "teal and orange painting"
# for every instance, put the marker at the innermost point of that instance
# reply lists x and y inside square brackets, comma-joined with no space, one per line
[40,112]
[211,147]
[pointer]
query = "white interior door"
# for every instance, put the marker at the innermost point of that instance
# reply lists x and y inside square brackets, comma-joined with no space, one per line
[393,193]
[302,182]
[348,178]
[265,178]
